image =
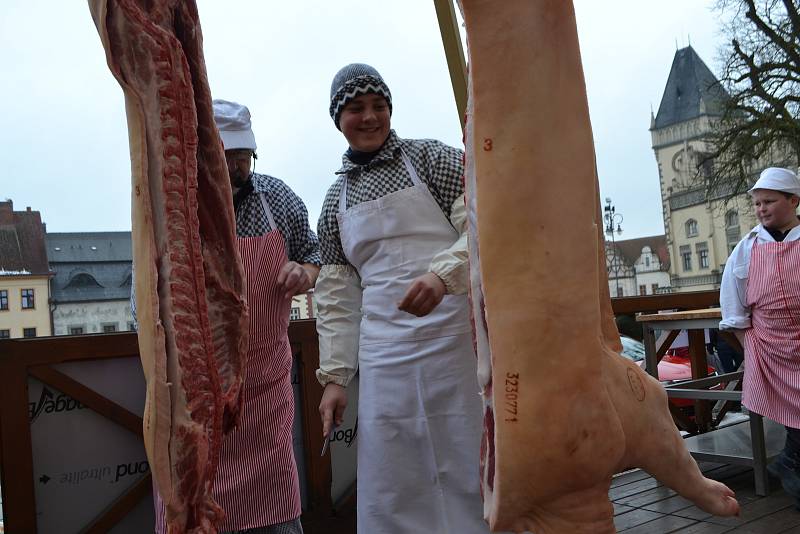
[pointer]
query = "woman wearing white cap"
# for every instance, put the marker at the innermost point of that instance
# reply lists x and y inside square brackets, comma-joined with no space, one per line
[391,300]
[760,298]
[257,483]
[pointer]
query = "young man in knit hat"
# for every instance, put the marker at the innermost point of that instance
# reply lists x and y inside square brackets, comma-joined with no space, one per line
[760,298]
[257,482]
[392,305]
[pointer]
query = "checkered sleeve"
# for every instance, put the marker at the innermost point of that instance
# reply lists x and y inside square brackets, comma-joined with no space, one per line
[445,172]
[301,243]
[330,244]
[289,212]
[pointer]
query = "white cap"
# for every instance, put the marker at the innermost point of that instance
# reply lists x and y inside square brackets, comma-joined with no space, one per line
[777,179]
[233,122]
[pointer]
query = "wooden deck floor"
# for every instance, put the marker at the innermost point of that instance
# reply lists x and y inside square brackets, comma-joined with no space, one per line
[642,505]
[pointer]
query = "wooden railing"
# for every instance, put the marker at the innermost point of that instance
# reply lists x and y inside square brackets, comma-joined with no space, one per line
[24,358]
[21,359]
[35,357]
[671,301]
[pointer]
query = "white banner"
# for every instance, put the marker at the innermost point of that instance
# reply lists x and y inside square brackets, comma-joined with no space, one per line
[343,445]
[83,462]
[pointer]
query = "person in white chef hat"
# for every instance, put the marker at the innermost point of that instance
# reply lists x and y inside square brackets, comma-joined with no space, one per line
[760,298]
[257,482]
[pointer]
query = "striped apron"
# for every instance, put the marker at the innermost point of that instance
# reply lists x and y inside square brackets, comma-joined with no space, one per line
[257,483]
[772,346]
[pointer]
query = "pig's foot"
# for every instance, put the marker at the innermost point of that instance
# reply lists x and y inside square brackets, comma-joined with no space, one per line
[715,498]
[660,450]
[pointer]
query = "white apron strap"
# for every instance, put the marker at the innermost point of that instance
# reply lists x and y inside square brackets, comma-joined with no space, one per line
[343,195]
[268,211]
[409,167]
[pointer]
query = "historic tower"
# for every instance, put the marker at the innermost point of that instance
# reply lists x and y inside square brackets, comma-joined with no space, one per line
[700,231]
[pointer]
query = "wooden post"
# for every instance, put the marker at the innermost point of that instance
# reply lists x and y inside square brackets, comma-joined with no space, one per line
[19,511]
[454,52]
[697,355]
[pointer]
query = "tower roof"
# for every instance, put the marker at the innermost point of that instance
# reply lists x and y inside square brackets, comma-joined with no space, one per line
[692,91]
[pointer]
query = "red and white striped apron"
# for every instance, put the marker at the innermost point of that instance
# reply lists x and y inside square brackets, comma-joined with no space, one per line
[257,483]
[772,346]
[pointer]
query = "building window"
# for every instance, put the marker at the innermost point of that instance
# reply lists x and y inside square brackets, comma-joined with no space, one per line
[691,228]
[647,261]
[131,326]
[643,289]
[654,288]
[686,257]
[732,219]
[619,292]
[109,327]
[732,235]
[294,314]
[28,332]
[3,299]
[27,299]
[702,255]
[5,334]
[75,330]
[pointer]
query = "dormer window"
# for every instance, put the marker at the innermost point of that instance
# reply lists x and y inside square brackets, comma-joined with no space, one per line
[82,280]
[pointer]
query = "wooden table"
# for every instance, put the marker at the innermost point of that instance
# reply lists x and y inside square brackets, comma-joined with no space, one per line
[695,322]
[752,444]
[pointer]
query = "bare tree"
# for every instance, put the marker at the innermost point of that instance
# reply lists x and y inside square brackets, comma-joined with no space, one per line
[760,124]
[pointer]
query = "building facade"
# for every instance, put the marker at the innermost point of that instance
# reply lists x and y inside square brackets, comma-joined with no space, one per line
[303,306]
[92,284]
[24,274]
[638,266]
[701,229]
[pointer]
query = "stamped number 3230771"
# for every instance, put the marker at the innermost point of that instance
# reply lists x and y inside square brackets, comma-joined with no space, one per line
[511,396]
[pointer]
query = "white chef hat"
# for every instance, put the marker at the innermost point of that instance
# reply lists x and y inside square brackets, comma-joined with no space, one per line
[233,122]
[777,179]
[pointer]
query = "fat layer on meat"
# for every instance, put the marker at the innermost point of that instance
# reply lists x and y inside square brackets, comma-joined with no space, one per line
[192,317]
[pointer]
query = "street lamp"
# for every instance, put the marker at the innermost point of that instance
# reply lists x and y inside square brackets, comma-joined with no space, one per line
[612,219]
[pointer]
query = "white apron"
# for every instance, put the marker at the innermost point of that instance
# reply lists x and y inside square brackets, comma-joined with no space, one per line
[419,409]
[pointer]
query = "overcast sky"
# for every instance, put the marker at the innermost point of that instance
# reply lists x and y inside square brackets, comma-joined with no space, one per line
[64,145]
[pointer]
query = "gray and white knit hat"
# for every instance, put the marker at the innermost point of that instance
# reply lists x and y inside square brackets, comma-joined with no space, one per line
[354,80]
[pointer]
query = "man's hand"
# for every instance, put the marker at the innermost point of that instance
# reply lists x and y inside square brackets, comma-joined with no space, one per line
[331,407]
[294,279]
[424,294]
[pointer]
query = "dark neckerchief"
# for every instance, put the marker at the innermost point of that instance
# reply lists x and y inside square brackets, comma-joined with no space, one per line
[361,158]
[777,235]
[242,194]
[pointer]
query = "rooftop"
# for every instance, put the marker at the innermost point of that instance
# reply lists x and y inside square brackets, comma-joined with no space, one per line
[88,246]
[631,249]
[22,246]
[90,266]
[692,90]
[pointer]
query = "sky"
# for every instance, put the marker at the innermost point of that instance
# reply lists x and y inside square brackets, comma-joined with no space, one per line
[64,145]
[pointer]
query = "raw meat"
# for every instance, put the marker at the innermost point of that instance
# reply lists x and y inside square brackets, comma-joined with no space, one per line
[192,317]
[563,410]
